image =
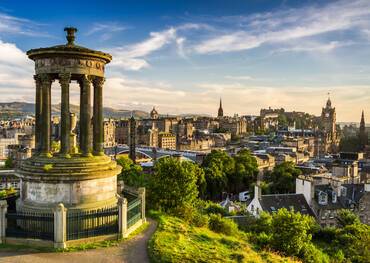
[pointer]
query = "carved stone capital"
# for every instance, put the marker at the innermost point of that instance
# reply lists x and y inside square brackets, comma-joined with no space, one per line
[64,78]
[45,78]
[98,81]
[86,80]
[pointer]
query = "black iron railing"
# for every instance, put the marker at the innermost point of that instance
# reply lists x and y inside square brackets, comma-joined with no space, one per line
[32,225]
[92,223]
[133,212]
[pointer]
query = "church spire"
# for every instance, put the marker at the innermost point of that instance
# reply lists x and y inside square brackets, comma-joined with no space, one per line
[220,110]
[363,135]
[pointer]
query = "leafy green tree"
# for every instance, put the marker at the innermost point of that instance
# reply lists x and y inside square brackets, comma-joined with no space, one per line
[173,184]
[9,163]
[354,239]
[345,217]
[291,231]
[282,178]
[245,172]
[350,144]
[218,167]
[132,174]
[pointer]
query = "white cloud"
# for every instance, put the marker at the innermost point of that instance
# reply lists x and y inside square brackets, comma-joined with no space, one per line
[239,77]
[314,47]
[105,30]
[132,57]
[283,26]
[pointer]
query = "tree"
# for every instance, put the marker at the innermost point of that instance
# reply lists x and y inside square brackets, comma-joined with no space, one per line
[173,184]
[132,174]
[245,172]
[345,217]
[350,144]
[218,166]
[291,231]
[9,163]
[282,178]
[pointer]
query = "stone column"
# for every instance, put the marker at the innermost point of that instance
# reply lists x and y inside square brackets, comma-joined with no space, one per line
[98,116]
[142,197]
[46,114]
[60,226]
[85,115]
[65,123]
[38,109]
[122,217]
[3,210]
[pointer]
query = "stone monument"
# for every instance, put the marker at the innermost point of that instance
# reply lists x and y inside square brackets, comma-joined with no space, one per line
[82,180]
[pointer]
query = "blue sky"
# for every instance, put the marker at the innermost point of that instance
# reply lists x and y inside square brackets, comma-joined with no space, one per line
[182,56]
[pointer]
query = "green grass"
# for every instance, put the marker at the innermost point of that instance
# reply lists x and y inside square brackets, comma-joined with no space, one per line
[104,244]
[177,241]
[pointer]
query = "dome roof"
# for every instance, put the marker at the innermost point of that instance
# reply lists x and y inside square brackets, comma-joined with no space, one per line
[68,50]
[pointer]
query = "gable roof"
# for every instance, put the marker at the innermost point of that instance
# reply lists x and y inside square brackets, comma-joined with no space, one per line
[297,202]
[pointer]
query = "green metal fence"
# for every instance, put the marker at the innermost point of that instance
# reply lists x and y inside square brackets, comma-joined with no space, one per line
[133,212]
[32,225]
[92,223]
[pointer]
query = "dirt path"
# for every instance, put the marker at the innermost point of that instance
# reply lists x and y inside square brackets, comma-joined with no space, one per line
[131,251]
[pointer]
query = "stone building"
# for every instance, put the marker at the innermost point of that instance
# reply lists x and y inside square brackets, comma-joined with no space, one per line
[236,125]
[196,144]
[166,140]
[327,199]
[122,131]
[328,138]
[109,133]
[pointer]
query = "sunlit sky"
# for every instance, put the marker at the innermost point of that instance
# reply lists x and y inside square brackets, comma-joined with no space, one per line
[182,56]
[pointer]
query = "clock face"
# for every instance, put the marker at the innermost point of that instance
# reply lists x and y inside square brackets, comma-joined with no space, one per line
[327,115]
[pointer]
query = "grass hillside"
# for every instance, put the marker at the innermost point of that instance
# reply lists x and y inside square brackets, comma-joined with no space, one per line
[177,241]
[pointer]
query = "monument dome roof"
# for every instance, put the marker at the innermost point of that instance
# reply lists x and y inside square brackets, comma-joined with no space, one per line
[68,50]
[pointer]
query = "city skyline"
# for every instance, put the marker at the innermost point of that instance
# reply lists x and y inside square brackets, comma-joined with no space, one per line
[288,54]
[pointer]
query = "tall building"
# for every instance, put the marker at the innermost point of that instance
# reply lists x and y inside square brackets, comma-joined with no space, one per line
[363,134]
[220,110]
[167,140]
[132,153]
[329,139]
[328,120]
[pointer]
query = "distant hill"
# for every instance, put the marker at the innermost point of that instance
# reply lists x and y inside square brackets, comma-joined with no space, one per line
[21,109]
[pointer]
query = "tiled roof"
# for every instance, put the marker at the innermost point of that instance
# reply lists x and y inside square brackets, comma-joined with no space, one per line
[297,202]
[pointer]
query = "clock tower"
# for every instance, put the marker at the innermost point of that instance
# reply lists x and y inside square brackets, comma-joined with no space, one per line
[329,135]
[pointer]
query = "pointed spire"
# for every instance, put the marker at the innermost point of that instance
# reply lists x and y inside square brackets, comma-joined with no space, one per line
[220,110]
[363,136]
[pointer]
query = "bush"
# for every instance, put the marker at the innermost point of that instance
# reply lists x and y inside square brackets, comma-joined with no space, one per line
[311,254]
[222,225]
[262,240]
[213,208]
[199,220]
[185,212]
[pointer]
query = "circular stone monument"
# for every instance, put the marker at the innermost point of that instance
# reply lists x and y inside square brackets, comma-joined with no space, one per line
[83,179]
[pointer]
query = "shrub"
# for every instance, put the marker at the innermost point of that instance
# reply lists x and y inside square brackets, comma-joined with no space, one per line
[262,240]
[219,224]
[311,254]
[213,208]
[199,220]
[185,212]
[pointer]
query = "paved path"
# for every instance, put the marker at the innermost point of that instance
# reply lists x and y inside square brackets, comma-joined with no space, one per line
[130,251]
